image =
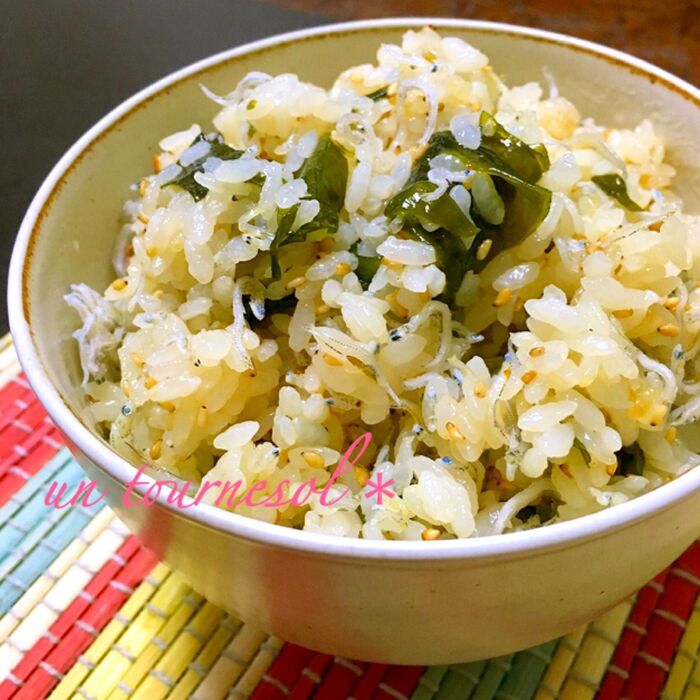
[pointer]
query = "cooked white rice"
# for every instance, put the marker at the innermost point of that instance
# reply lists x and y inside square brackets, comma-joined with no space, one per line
[555,379]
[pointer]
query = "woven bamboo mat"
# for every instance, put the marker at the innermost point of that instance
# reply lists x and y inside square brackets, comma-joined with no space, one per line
[87,612]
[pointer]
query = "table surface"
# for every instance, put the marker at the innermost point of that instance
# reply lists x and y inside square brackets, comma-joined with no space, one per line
[665,33]
[64,65]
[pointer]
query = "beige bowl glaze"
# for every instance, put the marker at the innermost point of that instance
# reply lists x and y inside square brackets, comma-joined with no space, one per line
[396,602]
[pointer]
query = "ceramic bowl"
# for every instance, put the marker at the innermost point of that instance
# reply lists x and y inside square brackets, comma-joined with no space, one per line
[396,602]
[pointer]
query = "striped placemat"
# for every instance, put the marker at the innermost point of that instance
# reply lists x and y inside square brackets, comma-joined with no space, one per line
[87,612]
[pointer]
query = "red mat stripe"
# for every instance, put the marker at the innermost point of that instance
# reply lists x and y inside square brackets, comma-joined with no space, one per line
[61,627]
[311,677]
[631,638]
[43,445]
[283,674]
[15,402]
[15,410]
[399,681]
[367,685]
[340,680]
[28,438]
[653,661]
[13,393]
[16,429]
[78,635]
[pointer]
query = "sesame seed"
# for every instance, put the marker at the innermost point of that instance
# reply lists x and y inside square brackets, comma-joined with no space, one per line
[479,390]
[503,297]
[138,360]
[156,163]
[150,382]
[151,251]
[623,313]
[361,475]
[430,534]
[313,459]
[296,282]
[167,406]
[484,249]
[342,268]
[537,351]
[638,410]
[671,434]
[454,432]
[391,264]
[332,359]
[670,330]
[672,302]
[119,284]
[202,416]
[323,309]
[430,56]
[657,416]
[156,449]
[528,376]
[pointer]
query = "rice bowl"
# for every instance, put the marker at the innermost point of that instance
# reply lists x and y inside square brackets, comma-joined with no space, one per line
[509,591]
[503,292]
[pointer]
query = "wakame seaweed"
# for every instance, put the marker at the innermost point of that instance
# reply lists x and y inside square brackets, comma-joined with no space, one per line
[272,306]
[379,94]
[630,460]
[367,266]
[325,173]
[615,186]
[514,168]
[217,149]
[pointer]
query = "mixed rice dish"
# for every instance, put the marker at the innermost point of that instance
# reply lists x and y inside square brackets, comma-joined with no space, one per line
[502,292]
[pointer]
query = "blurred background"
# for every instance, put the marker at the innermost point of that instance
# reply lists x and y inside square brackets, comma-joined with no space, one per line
[64,64]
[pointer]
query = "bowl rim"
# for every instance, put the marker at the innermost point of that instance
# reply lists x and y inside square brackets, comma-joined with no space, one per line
[517,544]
